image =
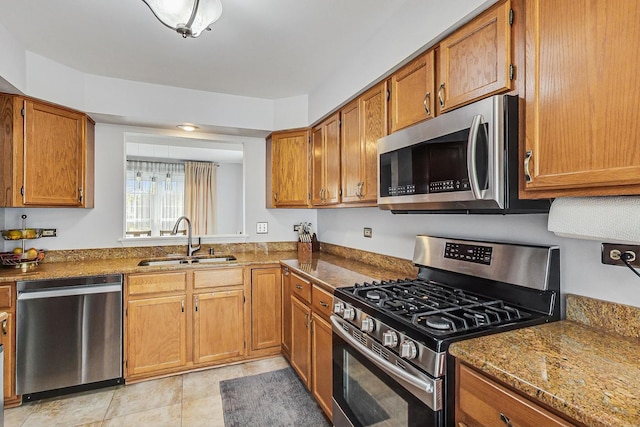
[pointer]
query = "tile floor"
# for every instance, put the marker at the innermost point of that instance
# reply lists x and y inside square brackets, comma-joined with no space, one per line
[186,400]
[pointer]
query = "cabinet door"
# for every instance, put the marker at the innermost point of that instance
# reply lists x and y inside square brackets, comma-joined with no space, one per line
[54,156]
[266,301]
[481,402]
[474,61]
[326,162]
[7,339]
[301,339]
[582,98]
[322,384]
[412,92]
[286,311]
[351,152]
[218,326]
[289,169]
[157,334]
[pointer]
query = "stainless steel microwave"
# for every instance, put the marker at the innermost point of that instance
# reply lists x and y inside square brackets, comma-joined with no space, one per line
[464,161]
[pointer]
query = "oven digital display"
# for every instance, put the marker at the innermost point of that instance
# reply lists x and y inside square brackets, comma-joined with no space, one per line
[470,253]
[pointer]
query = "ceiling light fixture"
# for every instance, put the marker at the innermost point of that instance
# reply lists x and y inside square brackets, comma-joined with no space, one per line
[188,17]
[188,127]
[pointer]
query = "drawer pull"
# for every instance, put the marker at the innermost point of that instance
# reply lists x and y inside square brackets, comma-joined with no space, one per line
[4,327]
[324,304]
[505,420]
[426,102]
[299,287]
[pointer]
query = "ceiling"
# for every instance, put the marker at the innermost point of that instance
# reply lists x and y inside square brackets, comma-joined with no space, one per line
[259,48]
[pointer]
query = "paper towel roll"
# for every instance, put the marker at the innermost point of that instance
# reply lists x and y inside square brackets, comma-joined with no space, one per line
[614,219]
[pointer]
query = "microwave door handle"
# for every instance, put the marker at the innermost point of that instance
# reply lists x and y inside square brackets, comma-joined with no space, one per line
[471,156]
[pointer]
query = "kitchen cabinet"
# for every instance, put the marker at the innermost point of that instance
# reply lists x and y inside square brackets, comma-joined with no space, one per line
[288,169]
[301,339]
[412,94]
[475,61]
[325,164]
[581,99]
[364,121]
[181,320]
[285,276]
[482,402]
[218,326]
[48,155]
[8,340]
[321,349]
[266,313]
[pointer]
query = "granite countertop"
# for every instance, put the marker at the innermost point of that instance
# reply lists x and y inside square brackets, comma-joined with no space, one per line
[328,270]
[589,373]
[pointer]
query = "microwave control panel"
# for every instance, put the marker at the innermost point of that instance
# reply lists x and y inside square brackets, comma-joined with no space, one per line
[469,253]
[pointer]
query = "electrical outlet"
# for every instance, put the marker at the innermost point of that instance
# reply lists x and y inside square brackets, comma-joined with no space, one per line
[612,253]
[262,227]
[368,232]
[296,227]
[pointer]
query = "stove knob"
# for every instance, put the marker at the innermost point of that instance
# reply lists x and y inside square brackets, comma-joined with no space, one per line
[348,313]
[368,325]
[338,308]
[408,350]
[390,339]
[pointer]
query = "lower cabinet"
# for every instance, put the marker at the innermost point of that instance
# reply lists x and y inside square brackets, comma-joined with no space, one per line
[266,315]
[8,341]
[482,402]
[307,336]
[218,327]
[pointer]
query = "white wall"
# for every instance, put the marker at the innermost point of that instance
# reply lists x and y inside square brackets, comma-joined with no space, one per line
[229,191]
[102,226]
[13,64]
[581,270]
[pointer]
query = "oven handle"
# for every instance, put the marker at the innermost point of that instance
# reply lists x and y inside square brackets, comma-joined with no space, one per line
[418,388]
[472,167]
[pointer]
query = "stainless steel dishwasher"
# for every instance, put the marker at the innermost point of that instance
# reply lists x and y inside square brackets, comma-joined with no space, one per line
[68,335]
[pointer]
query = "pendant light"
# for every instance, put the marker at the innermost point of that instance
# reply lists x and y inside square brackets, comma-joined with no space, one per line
[188,17]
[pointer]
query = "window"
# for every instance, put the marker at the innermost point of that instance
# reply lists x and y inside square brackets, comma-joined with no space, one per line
[154,197]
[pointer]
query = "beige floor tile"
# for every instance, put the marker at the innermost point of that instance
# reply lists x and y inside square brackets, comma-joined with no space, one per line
[198,385]
[166,416]
[145,396]
[15,417]
[71,410]
[203,412]
[264,365]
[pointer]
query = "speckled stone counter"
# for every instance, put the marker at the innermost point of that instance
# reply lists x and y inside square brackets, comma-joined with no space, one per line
[590,373]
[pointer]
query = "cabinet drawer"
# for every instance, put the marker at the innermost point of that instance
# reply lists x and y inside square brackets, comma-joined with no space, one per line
[483,402]
[321,301]
[154,283]
[301,288]
[5,296]
[217,277]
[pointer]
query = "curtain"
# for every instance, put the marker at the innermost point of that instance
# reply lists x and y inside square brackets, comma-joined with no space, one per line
[155,197]
[200,197]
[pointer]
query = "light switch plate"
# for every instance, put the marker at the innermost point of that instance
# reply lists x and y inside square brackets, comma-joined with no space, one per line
[262,227]
[368,232]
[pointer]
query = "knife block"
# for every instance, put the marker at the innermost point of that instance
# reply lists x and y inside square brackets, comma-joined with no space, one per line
[305,250]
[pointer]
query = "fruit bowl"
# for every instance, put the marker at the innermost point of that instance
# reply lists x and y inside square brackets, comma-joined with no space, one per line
[18,260]
[25,233]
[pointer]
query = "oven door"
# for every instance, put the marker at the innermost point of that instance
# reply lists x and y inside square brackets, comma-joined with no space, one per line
[370,391]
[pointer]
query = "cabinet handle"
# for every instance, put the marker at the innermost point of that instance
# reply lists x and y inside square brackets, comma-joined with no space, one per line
[306,322]
[196,303]
[275,197]
[4,327]
[286,271]
[182,305]
[505,420]
[441,95]
[426,102]
[527,159]
[324,304]
[299,287]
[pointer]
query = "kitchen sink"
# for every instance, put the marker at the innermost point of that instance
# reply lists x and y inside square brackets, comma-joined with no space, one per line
[204,259]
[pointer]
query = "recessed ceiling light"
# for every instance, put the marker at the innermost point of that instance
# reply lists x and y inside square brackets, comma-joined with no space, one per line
[188,127]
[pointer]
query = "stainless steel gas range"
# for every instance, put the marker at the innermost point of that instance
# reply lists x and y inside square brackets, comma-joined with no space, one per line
[390,339]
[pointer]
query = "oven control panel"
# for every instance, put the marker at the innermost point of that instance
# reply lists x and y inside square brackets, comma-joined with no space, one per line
[470,253]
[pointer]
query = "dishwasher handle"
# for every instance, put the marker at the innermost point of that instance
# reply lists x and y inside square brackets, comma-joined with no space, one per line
[69,291]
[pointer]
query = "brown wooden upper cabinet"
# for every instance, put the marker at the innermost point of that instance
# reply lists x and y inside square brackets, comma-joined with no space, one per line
[582,98]
[288,169]
[364,121]
[325,165]
[48,158]
[412,93]
[475,61]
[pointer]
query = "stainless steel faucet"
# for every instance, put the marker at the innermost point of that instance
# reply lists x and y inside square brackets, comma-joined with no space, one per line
[190,248]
